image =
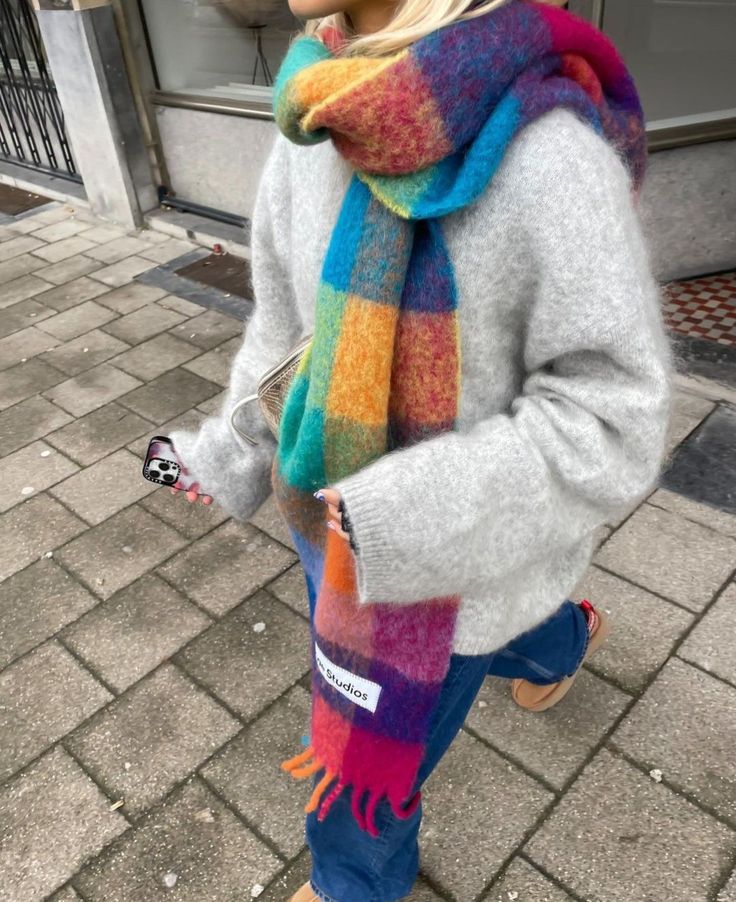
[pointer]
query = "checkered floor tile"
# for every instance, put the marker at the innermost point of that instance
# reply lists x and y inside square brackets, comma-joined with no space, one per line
[703,308]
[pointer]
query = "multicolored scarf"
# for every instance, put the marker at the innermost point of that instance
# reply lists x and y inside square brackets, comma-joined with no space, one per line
[425,129]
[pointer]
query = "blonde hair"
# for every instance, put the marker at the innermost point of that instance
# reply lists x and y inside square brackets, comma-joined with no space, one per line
[413,20]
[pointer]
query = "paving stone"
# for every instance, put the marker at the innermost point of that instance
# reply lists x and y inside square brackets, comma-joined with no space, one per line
[193,836]
[190,419]
[118,249]
[153,235]
[51,212]
[131,297]
[80,319]
[66,895]
[709,645]
[61,250]
[84,353]
[167,250]
[247,775]
[216,364]
[671,556]
[291,588]
[99,433]
[64,297]
[477,808]
[106,487]
[192,520]
[91,389]
[688,411]
[685,726]
[19,289]
[42,697]
[186,308]
[67,228]
[213,405]
[288,881]
[129,635]
[31,529]
[645,629]
[35,604]
[227,565]
[24,344]
[209,329]
[169,395]
[23,244]
[422,892]
[52,819]
[269,520]
[245,668]
[155,356]
[617,836]
[115,553]
[22,315]
[68,270]
[701,463]
[524,883]
[122,272]
[31,470]
[728,893]
[17,267]
[26,379]
[143,323]
[146,729]
[101,234]
[556,745]
[692,510]
[27,421]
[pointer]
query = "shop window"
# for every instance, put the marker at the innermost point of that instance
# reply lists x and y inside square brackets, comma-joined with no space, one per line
[222,50]
[681,53]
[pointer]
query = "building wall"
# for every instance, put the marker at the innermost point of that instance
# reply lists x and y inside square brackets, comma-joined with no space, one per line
[689,209]
[688,206]
[214,159]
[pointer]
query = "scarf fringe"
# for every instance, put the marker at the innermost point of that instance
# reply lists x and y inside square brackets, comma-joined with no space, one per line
[306,763]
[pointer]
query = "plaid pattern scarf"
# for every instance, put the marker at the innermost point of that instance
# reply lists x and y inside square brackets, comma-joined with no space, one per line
[425,130]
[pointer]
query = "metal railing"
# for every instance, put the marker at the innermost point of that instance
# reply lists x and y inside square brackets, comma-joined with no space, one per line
[32,131]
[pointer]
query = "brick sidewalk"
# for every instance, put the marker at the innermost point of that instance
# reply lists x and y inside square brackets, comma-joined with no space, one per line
[144,709]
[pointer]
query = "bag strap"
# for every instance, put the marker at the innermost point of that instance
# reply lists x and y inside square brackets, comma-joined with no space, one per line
[238,433]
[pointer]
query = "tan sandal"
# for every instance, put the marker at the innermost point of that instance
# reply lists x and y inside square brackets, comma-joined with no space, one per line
[305,894]
[532,697]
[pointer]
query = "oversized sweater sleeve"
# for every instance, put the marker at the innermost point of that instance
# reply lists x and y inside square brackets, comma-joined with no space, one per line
[234,472]
[581,442]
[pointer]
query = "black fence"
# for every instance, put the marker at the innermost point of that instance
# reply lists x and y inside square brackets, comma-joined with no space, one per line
[32,129]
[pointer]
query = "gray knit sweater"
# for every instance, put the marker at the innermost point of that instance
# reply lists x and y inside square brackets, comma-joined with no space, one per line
[565,382]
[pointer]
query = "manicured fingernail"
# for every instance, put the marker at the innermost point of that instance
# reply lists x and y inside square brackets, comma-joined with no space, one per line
[319,496]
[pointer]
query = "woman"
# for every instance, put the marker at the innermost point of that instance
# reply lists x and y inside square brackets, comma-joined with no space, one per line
[450,209]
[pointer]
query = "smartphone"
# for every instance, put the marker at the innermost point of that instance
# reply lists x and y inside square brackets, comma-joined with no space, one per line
[163,467]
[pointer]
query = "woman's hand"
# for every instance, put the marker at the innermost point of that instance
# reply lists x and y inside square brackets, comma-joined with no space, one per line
[332,498]
[192,494]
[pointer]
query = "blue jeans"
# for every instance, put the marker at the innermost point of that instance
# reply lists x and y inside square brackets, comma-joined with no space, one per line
[348,865]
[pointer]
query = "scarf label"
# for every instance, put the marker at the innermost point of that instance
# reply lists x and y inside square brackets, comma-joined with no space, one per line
[357,689]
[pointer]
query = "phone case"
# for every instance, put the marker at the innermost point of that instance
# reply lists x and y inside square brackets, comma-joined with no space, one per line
[163,467]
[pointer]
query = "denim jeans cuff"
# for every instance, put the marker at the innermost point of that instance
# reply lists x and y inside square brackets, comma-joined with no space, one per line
[319,894]
[582,653]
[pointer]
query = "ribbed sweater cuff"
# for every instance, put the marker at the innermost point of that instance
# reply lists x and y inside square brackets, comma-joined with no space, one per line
[375,556]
